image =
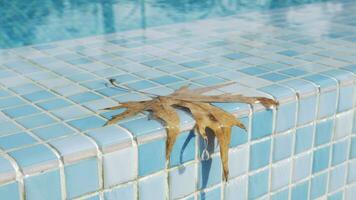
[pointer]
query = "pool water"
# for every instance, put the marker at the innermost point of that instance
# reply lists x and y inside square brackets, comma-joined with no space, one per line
[26,22]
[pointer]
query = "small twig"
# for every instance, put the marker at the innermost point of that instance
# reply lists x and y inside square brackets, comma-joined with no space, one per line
[113,83]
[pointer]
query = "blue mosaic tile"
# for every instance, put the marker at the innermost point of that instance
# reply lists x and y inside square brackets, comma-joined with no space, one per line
[261,124]
[194,64]
[75,174]
[323,132]
[337,178]
[209,172]
[21,111]
[280,175]
[44,186]
[318,186]
[87,123]
[164,80]
[10,191]
[282,195]
[336,196]
[111,91]
[259,154]
[53,131]
[294,72]
[153,187]
[339,152]
[182,181]
[156,63]
[306,112]
[289,53]
[16,140]
[25,89]
[142,126]
[286,117]
[345,98]
[210,195]
[189,74]
[141,85]
[238,135]
[10,101]
[304,139]
[281,146]
[125,192]
[253,70]
[300,191]
[209,81]
[151,157]
[183,149]
[351,176]
[321,159]
[274,77]
[53,104]
[8,127]
[32,156]
[39,95]
[327,104]
[84,97]
[353,148]
[34,121]
[258,184]
[301,167]
[235,56]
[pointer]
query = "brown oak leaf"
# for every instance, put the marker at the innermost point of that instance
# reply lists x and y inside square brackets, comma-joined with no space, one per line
[206,115]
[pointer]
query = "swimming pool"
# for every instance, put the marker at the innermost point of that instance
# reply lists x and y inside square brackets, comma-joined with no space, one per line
[36,21]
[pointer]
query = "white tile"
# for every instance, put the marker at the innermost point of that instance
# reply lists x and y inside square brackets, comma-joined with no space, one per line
[238,161]
[182,181]
[236,189]
[280,174]
[120,166]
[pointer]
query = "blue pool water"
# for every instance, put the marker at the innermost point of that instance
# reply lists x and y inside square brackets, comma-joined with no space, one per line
[26,22]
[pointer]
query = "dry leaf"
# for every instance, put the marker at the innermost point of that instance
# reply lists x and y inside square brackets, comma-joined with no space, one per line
[206,115]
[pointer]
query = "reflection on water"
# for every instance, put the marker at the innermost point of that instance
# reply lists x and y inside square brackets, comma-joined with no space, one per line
[25,22]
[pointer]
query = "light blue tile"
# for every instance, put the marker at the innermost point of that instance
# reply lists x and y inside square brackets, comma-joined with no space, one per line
[282,195]
[302,167]
[151,157]
[54,104]
[39,95]
[209,81]
[141,85]
[110,135]
[286,117]
[327,104]
[109,92]
[304,139]
[183,149]
[96,197]
[16,141]
[21,111]
[37,120]
[339,153]
[126,192]
[44,186]
[323,132]
[164,80]
[156,63]
[87,123]
[8,127]
[238,135]
[353,148]
[321,159]
[261,124]
[280,175]
[336,196]
[260,154]
[210,195]
[236,189]
[345,98]
[274,77]
[10,101]
[142,126]
[258,184]
[10,191]
[153,187]
[34,155]
[25,89]
[293,72]
[209,172]
[84,97]
[351,176]
[5,166]
[289,53]
[306,111]
[82,177]
[278,91]
[194,64]
[318,186]
[321,80]
[235,56]
[300,191]
[282,146]
[182,181]
[53,131]
[253,70]
[337,178]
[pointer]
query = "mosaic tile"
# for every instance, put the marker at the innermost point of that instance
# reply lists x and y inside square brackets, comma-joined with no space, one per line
[152,187]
